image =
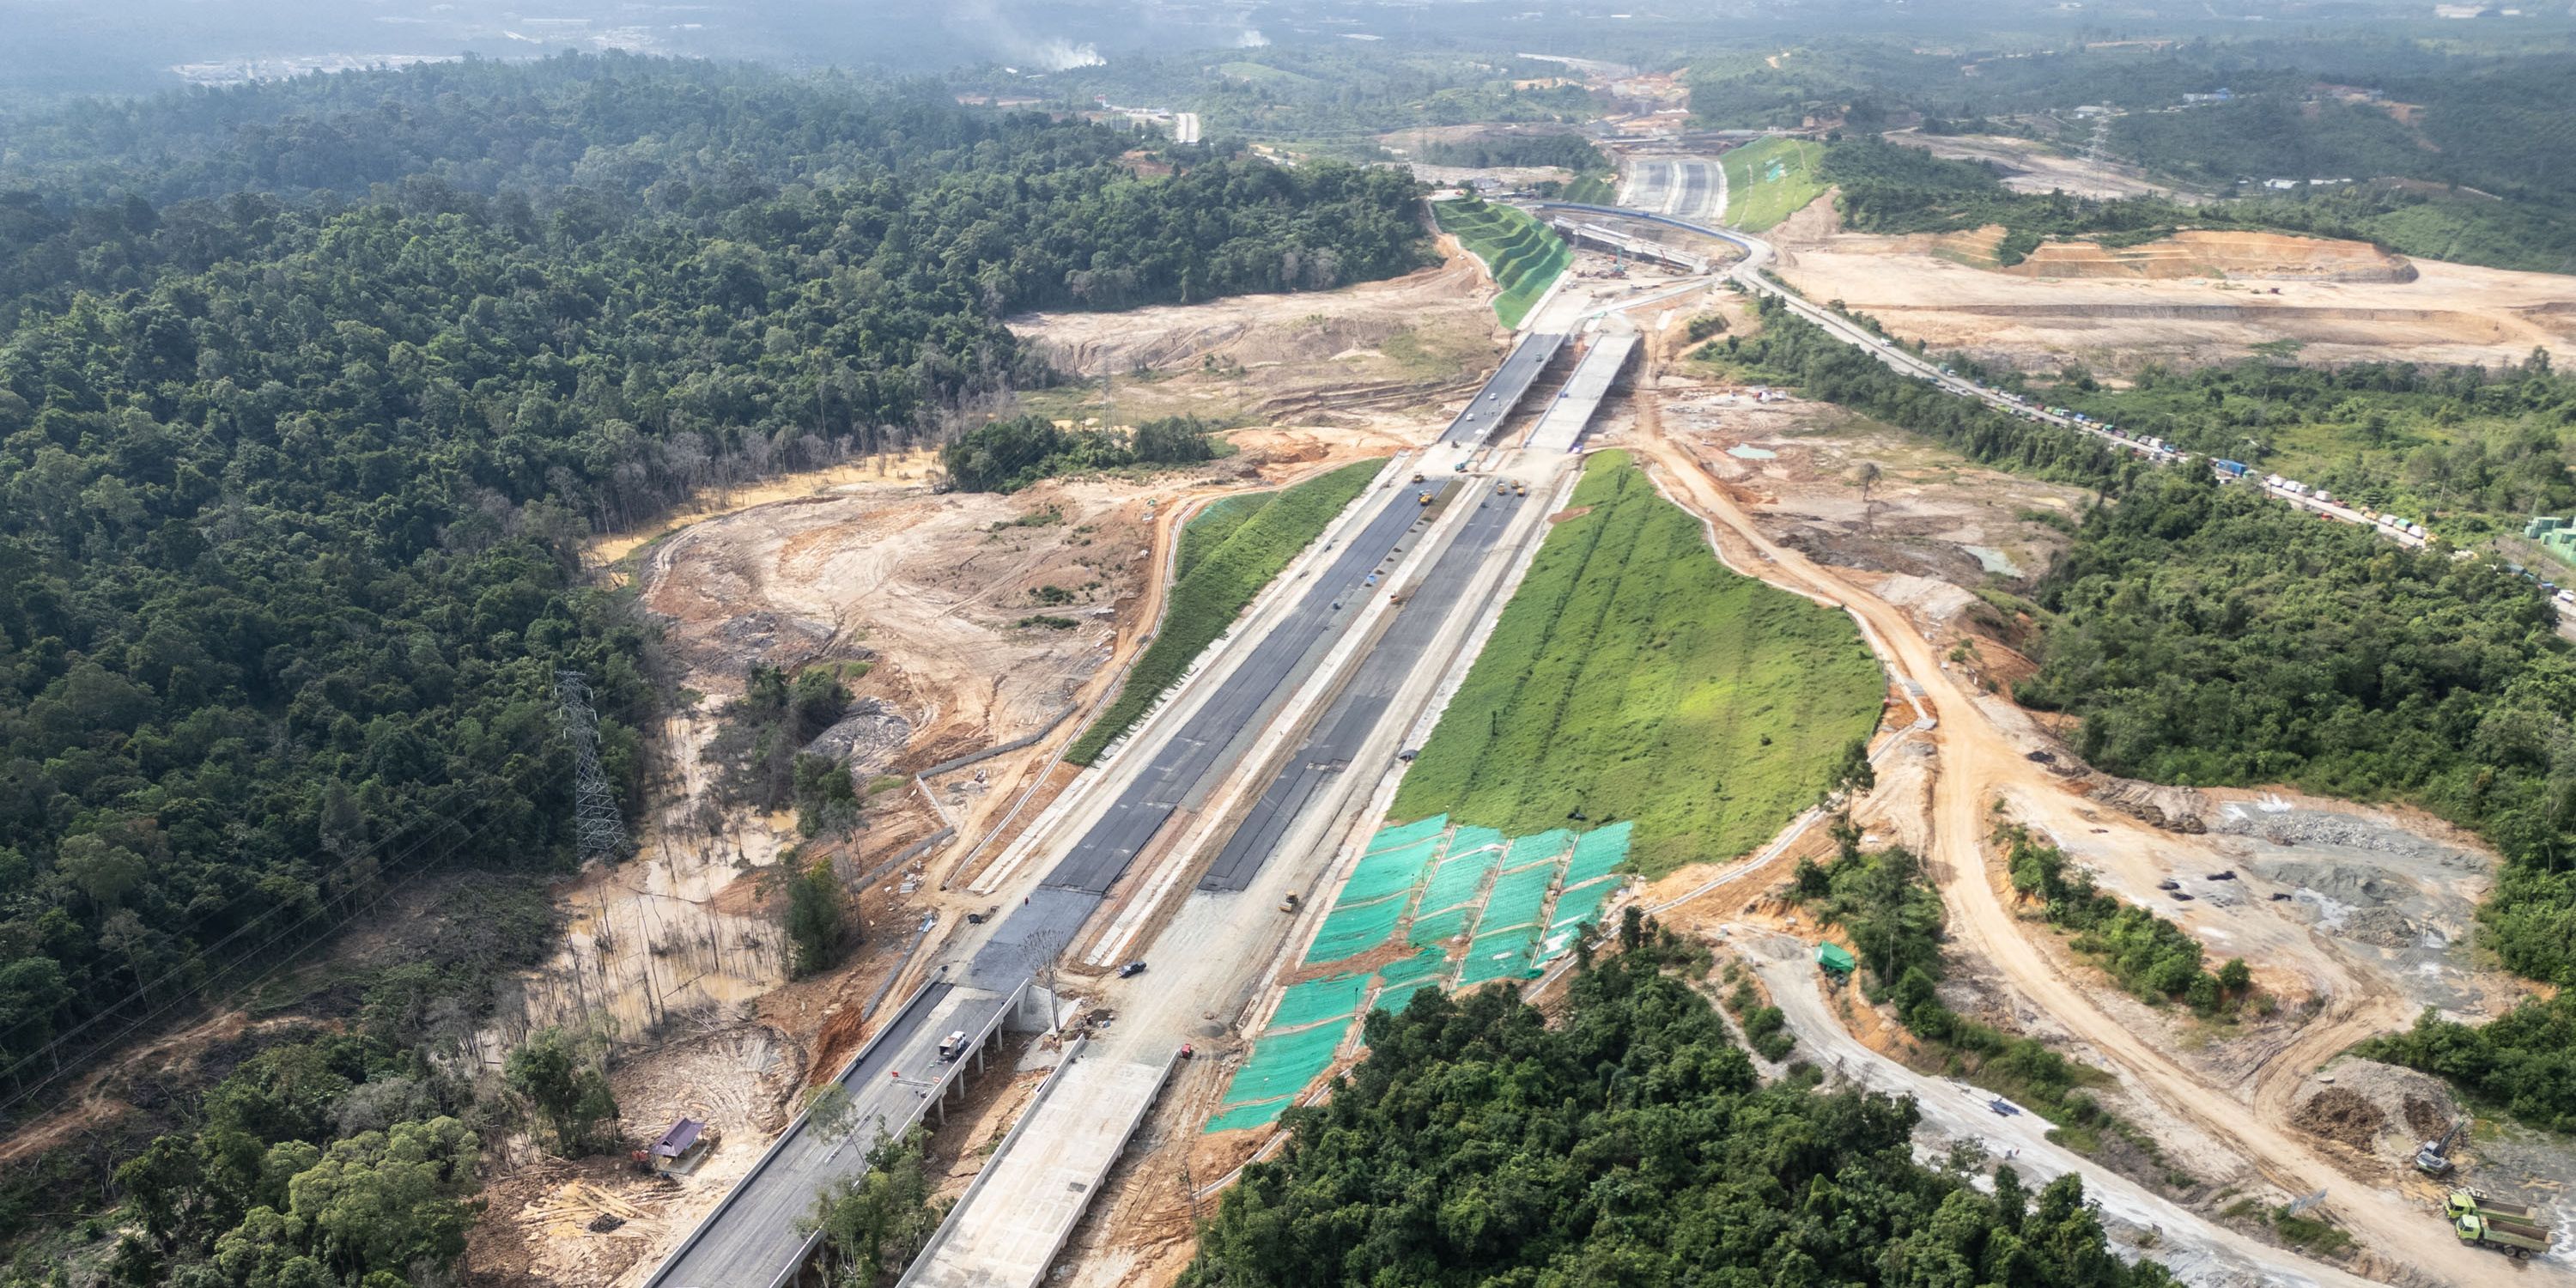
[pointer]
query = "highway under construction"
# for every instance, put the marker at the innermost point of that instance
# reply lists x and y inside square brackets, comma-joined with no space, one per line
[1179,848]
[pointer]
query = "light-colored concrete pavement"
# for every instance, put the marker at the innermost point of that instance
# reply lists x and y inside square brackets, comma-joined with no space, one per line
[1037,1189]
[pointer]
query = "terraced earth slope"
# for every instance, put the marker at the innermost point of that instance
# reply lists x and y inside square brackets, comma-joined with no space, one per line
[1522,253]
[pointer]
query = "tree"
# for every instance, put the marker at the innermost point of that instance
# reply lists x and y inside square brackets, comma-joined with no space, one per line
[565,1086]
[814,920]
[873,1224]
[2235,977]
[1864,476]
[1853,772]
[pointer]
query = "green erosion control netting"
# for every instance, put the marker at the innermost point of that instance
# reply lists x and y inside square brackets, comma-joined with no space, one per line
[1530,849]
[1456,881]
[1282,1064]
[1597,852]
[1517,897]
[1258,1114]
[1428,964]
[1391,837]
[1505,954]
[1352,931]
[1438,927]
[1336,998]
[1387,872]
[1576,905]
[1499,886]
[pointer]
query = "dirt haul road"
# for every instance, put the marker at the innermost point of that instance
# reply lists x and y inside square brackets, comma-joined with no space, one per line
[2403,1242]
[2198,1250]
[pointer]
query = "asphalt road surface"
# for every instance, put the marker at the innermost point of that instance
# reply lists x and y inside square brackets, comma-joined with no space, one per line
[1354,714]
[1493,403]
[751,1240]
[1191,759]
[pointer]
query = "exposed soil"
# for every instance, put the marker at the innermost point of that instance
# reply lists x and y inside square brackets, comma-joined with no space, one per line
[2030,166]
[1333,357]
[2340,1114]
[2066,304]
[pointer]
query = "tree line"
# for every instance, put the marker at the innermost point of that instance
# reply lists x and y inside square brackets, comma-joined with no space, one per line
[298,463]
[1630,1144]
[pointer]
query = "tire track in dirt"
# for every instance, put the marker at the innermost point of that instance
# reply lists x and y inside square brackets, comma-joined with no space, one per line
[1978,763]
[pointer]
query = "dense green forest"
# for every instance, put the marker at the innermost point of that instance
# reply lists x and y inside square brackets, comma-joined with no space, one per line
[310,393]
[1007,455]
[1630,1144]
[2472,450]
[1568,150]
[2209,635]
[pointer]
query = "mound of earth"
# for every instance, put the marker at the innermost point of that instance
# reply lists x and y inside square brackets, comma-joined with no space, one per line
[2195,253]
[2340,1114]
[2379,1109]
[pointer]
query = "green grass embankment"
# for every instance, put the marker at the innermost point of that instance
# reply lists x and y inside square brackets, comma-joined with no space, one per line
[1209,528]
[1769,181]
[1523,254]
[1220,581]
[1632,676]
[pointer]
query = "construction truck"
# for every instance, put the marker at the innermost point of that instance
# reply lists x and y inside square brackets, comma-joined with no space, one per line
[1520,489]
[1501,488]
[1423,497]
[2495,1223]
[2433,1157]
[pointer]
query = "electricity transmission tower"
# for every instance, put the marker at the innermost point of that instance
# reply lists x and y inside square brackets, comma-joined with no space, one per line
[597,826]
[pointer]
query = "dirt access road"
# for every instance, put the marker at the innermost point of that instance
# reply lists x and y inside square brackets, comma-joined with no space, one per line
[2197,1250]
[1978,763]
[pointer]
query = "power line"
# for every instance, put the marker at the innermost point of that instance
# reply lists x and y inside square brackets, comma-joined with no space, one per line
[597,825]
[28,1090]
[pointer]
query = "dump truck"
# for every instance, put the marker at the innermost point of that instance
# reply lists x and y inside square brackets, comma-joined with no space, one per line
[2491,1232]
[2463,1202]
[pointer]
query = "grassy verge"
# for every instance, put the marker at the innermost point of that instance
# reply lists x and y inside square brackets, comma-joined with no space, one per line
[1769,181]
[1219,583]
[1210,527]
[1633,677]
[1522,253]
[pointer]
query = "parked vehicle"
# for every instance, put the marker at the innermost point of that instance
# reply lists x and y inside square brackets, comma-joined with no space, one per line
[2232,469]
[1132,969]
[952,1046]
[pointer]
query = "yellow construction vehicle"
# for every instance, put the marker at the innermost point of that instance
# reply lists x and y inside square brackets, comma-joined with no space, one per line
[1521,489]
[1423,497]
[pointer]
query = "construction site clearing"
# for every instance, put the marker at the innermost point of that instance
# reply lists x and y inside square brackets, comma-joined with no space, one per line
[2349,916]
[2191,299]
